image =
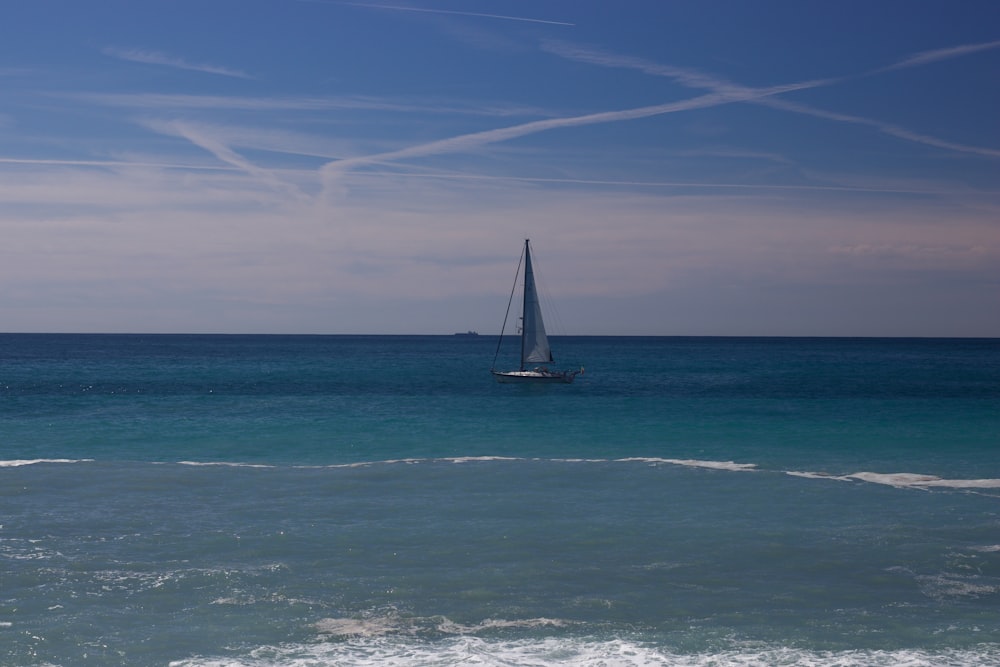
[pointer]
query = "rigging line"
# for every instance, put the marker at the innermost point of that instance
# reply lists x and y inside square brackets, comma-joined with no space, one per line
[507,314]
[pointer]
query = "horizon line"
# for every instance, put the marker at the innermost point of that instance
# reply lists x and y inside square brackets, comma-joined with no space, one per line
[465,334]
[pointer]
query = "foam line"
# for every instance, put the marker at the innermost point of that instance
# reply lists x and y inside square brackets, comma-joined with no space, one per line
[900,480]
[695,463]
[16,463]
[379,650]
[904,480]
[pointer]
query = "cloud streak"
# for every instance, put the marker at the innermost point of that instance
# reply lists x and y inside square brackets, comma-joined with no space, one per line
[162,59]
[914,189]
[699,80]
[425,10]
[690,78]
[159,101]
[227,155]
[936,55]
[474,140]
[885,128]
[110,164]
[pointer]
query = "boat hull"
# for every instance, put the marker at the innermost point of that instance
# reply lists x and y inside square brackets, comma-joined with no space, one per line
[534,377]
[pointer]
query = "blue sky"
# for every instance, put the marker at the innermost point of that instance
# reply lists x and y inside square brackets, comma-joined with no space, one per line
[682,168]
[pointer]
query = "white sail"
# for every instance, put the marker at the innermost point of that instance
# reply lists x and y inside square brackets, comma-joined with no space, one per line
[535,351]
[534,343]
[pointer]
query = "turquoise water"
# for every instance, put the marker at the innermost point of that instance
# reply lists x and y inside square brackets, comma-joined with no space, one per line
[313,500]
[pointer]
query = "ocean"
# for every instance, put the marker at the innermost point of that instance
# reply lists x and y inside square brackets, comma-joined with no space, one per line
[258,501]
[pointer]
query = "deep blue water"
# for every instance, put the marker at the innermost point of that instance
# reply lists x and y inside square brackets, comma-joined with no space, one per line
[311,500]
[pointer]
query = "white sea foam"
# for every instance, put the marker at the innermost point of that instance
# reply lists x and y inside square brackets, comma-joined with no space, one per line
[393,624]
[473,459]
[370,464]
[692,463]
[450,627]
[987,548]
[953,586]
[403,652]
[224,464]
[16,463]
[695,463]
[359,627]
[903,480]
[900,480]
[915,480]
[817,475]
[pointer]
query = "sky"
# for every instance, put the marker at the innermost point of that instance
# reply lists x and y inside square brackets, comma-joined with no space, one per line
[724,168]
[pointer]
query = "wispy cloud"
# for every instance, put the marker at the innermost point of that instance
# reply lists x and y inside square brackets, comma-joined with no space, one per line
[935,55]
[699,80]
[885,128]
[213,145]
[425,10]
[159,101]
[725,95]
[157,58]
[110,164]
[684,76]
[921,188]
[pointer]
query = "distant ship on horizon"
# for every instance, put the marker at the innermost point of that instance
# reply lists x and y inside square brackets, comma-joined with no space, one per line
[470,332]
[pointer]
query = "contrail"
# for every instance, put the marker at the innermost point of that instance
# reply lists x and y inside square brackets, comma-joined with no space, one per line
[719,92]
[468,141]
[226,155]
[935,55]
[452,11]
[157,58]
[117,163]
[885,128]
[698,80]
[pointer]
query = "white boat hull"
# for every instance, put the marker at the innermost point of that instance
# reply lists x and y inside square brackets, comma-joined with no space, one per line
[534,377]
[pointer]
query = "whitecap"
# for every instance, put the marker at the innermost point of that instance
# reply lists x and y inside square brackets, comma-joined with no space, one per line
[902,480]
[364,651]
[474,459]
[449,627]
[943,586]
[817,475]
[393,624]
[16,463]
[916,480]
[696,463]
[361,627]
[224,464]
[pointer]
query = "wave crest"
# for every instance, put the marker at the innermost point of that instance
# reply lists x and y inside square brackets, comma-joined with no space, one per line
[17,463]
[403,652]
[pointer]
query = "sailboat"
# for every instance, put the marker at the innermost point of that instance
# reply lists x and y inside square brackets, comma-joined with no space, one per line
[535,350]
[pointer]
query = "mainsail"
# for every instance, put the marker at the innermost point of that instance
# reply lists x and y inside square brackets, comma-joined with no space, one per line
[534,343]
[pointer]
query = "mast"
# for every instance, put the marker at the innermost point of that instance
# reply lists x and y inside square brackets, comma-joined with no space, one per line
[528,275]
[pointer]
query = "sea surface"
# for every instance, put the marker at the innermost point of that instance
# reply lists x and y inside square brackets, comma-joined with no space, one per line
[198,501]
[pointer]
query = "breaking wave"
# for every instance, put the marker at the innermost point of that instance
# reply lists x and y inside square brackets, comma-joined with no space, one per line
[901,480]
[17,463]
[471,650]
